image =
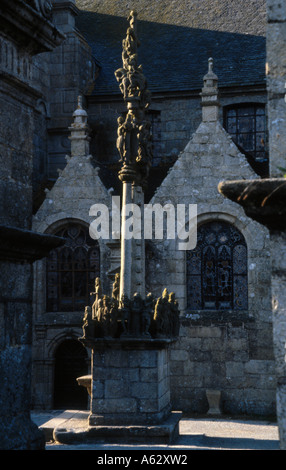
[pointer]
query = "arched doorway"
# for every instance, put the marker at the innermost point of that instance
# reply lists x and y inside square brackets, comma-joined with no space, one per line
[70,363]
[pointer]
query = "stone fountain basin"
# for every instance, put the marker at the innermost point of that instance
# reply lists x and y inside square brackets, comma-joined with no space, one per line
[262,200]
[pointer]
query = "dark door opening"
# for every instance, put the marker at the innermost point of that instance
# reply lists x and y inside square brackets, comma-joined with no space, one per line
[70,363]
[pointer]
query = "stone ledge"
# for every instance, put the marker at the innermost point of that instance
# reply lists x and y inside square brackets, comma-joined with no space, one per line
[165,432]
[20,245]
[215,317]
[140,343]
[28,27]
[262,200]
[124,412]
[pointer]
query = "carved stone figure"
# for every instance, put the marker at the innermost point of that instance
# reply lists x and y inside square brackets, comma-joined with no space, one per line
[147,314]
[159,317]
[144,143]
[105,319]
[115,287]
[166,315]
[113,322]
[124,313]
[98,294]
[131,42]
[120,142]
[132,21]
[131,144]
[99,311]
[97,288]
[137,81]
[88,325]
[136,311]
[174,309]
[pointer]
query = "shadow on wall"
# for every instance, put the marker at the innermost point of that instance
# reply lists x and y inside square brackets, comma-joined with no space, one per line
[174,57]
[174,61]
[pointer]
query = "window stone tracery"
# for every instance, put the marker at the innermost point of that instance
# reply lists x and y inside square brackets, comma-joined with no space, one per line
[217,269]
[71,270]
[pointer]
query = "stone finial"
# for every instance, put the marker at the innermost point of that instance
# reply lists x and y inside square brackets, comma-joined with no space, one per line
[79,131]
[209,94]
[210,79]
[80,115]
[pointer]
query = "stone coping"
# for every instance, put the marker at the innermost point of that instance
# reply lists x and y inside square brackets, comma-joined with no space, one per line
[20,245]
[127,343]
[18,20]
[219,317]
[262,200]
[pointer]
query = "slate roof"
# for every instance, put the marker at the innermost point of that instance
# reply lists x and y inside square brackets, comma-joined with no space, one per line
[174,57]
[233,16]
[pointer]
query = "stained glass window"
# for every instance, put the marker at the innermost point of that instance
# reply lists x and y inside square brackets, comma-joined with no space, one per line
[217,269]
[247,126]
[71,270]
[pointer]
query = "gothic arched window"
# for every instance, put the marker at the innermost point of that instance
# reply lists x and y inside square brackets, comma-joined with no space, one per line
[217,269]
[71,270]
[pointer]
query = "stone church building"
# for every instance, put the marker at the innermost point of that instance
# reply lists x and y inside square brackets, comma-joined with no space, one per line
[209,121]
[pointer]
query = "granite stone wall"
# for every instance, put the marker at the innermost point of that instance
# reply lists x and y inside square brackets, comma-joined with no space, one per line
[276,79]
[175,120]
[19,41]
[230,351]
[275,72]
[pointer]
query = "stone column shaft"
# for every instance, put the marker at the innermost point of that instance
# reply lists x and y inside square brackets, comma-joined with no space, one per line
[126,244]
[278,284]
[276,83]
[276,80]
[138,279]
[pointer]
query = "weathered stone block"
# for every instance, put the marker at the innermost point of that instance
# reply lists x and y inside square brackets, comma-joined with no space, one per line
[115,389]
[234,369]
[276,10]
[179,355]
[132,375]
[114,405]
[148,375]
[148,406]
[142,359]
[97,389]
[144,390]
[163,387]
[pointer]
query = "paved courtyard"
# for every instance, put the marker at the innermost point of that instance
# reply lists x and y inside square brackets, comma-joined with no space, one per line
[202,433]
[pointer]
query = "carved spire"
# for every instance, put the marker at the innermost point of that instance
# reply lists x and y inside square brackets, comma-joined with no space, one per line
[209,94]
[134,138]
